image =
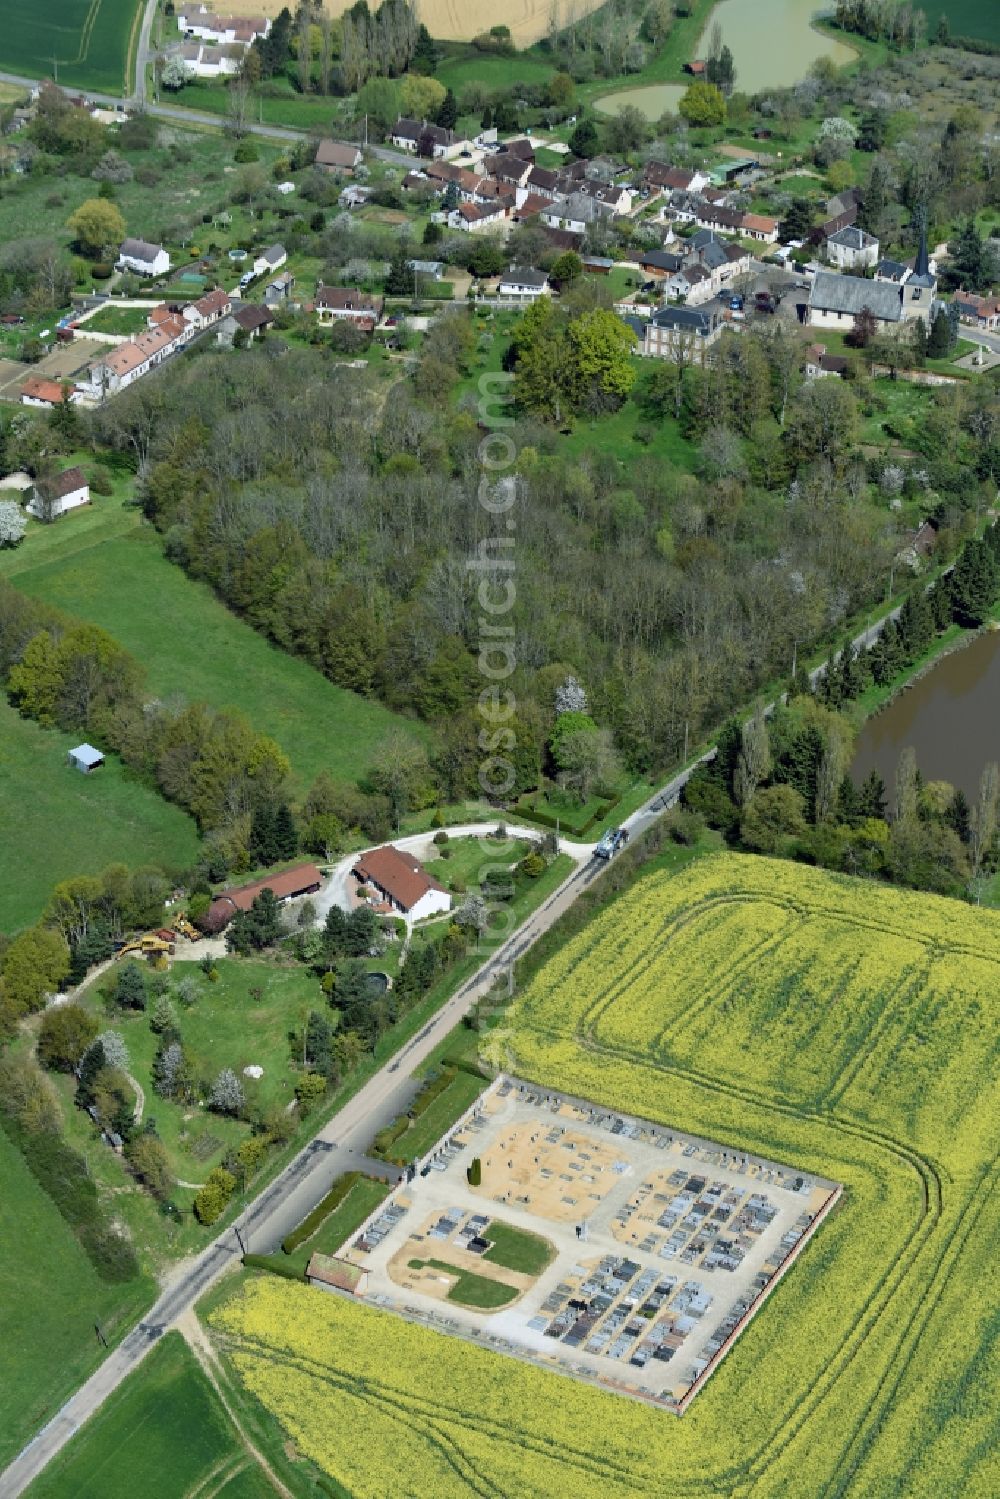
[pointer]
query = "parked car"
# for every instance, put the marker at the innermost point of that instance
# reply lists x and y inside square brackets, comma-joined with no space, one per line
[736,304]
[764,302]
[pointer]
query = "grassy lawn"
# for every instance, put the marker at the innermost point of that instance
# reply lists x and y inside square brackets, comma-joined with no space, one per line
[163,1433]
[572,813]
[50,1298]
[57,822]
[448,1107]
[108,568]
[470,66]
[229,1026]
[516,1249]
[363,1198]
[123,320]
[469,1289]
[469,857]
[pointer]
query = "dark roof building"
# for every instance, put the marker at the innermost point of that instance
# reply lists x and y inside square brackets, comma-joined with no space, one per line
[304,879]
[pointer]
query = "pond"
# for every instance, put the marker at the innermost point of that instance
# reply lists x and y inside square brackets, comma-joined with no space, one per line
[773,43]
[950,717]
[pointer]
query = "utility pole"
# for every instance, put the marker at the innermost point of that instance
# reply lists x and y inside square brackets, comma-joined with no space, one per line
[239,1238]
[100,1336]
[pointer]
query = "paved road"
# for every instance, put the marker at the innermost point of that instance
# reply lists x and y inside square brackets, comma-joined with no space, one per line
[340,1145]
[144,53]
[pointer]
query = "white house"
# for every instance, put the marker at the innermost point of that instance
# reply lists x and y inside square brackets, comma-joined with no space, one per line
[270,260]
[401,883]
[475,218]
[207,310]
[140,256]
[851,249]
[53,496]
[523,284]
[40,392]
[346,304]
[418,137]
[672,329]
[691,284]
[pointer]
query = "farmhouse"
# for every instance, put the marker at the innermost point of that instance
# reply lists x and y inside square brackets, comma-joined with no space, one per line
[145,259]
[336,156]
[402,882]
[270,260]
[85,758]
[52,497]
[852,249]
[304,879]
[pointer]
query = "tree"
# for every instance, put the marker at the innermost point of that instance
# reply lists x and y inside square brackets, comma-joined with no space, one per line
[227,1096]
[13,523]
[571,697]
[873,132]
[286,837]
[983,821]
[113,1049]
[864,330]
[130,986]
[33,966]
[754,763]
[447,114]
[360,932]
[702,105]
[171,1073]
[64,1035]
[164,1016]
[210,1202]
[98,226]
[150,1164]
[308,1091]
[566,268]
[318,1045]
[871,797]
[974,584]
[939,338]
[260,927]
[399,281]
[422,98]
[775,814]
[585,142]
[175,73]
[797,220]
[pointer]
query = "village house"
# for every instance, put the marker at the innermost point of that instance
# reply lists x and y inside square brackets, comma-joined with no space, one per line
[207,310]
[280,289]
[543,183]
[511,170]
[52,496]
[523,284]
[724,259]
[208,61]
[659,177]
[250,319]
[895,271]
[980,312]
[617,200]
[674,329]
[432,269]
[575,213]
[400,883]
[346,304]
[338,156]
[821,365]
[660,262]
[691,284]
[304,879]
[37,391]
[835,301]
[475,218]
[126,364]
[270,260]
[145,259]
[200,21]
[851,249]
[420,138]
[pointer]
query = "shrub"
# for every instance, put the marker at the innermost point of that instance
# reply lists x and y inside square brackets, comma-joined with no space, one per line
[314,1220]
[274,1266]
[210,1202]
[101,271]
[475,1172]
[441,838]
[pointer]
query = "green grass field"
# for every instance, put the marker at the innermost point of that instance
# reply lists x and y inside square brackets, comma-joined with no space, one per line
[164,1433]
[108,567]
[469,66]
[88,39]
[50,1299]
[57,822]
[123,320]
[449,1106]
[516,1249]
[470,1289]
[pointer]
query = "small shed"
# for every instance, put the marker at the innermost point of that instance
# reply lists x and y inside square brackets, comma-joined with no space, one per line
[85,758]
[333,1274]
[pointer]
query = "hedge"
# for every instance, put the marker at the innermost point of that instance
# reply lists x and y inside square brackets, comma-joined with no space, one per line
[271,1263]
[320,1212]
[64,1177]
[549,820]
[394,1131]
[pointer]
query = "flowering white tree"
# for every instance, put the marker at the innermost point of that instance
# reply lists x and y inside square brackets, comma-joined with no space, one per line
[115,1050]
[571,697]
[12,523]
[227,1096]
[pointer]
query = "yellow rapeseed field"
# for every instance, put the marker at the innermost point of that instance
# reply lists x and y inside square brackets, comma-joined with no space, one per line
[840,1026]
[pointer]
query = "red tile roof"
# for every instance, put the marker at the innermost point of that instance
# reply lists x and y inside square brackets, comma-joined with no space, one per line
[402,877]
[42,390]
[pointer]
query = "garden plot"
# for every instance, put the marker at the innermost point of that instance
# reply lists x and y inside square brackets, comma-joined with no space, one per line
[614,1249]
